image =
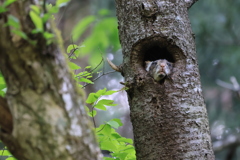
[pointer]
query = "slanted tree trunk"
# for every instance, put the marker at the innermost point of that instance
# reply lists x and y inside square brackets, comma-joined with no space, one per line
[49,121]
[169,119]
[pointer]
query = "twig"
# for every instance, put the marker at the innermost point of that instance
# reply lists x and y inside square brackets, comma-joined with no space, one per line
[102,128]
[234,86]
[229,141]
[99,77]
[189,3]
[225,84]
[97,65]
[74,49]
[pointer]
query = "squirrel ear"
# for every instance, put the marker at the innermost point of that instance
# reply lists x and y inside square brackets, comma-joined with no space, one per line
[147,65]
[146,62]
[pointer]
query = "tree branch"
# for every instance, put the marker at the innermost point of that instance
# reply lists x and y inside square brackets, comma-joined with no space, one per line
[189,3]
[228,142]
[5,116]
[234,86]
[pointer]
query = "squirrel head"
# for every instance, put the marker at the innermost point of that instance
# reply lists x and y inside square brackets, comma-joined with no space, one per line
[159,69]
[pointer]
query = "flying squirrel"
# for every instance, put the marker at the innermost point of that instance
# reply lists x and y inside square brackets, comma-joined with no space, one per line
[158,69]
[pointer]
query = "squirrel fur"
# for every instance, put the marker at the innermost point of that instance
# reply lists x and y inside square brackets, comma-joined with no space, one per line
[159,69]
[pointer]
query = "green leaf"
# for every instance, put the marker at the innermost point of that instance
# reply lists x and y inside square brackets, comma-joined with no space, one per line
[126,140]
[2,81]
[2,9]
[101,107]
[13,22]
[108,145]
[36,9]
[61,3]
[81,74]
[80,86]
[5,153]
[71,47]
[101,92]
[120,155]
[11,158]
[92,114]
[3,86]
[48,35]
[8,2]
[105,130]
[103,12]
[52,9]
[113,124]
[87,67]
[89,77]
[20,33]
[91,98]
[46,16]
[2,93]
[82,26]
[110,92]
[129,149]
[73,66]
[115,135]
[106,102]
[37,20]
[118,121]
[85,80]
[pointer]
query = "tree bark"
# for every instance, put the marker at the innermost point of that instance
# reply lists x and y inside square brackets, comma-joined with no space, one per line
[49,119]
[169,119]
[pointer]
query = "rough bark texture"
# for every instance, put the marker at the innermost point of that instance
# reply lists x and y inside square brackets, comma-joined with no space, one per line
[169,119]
[49,120]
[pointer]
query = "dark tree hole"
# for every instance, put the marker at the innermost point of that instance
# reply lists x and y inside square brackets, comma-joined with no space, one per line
[155,52]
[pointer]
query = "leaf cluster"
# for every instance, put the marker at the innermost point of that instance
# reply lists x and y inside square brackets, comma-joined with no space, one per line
[39,16]
[120,148]
[5,154]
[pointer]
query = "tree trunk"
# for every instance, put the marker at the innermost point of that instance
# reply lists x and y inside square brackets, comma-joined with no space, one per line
[49,120]
[169,119]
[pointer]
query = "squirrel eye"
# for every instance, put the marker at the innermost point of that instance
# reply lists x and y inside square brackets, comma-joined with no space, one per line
[154,63]
[169,64]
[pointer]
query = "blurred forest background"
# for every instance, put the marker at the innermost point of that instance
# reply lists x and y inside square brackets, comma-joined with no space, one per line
[92,25]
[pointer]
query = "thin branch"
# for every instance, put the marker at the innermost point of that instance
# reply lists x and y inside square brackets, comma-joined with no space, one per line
[102,128]
[225,85]
[234,86]
[6,121]
[97,65]
[189,3]
[231,140]
[94,123]
[72,52]
[99,77]
[235,83]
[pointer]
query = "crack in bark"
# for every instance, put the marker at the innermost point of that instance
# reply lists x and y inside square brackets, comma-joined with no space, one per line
[6,121]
